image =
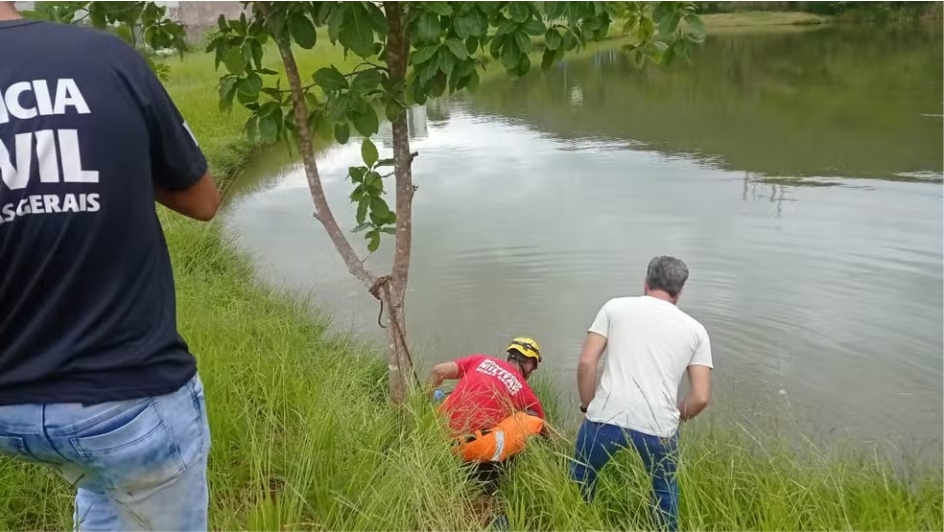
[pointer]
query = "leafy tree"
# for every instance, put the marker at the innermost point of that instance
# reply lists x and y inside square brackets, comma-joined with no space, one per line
[410,52]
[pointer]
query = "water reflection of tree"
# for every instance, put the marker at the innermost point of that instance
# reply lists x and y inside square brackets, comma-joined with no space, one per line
[775,192]
[831,102]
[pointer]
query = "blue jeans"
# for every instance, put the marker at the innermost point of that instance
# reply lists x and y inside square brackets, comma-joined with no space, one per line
[138,464]
[597,442]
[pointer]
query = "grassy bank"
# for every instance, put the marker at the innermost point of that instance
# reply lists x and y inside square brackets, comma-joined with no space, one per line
[303,437]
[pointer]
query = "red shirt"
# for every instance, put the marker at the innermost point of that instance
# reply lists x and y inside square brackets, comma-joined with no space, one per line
[489,390]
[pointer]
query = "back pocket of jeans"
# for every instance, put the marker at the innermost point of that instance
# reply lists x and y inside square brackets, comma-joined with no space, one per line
[12,447]
[134,450]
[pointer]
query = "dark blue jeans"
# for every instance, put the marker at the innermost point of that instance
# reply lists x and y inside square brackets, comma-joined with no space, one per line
[597,442]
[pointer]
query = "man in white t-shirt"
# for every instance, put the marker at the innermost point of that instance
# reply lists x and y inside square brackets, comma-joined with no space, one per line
[650,345]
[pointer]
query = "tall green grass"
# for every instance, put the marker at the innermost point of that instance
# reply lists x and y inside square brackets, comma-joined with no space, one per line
[304,437]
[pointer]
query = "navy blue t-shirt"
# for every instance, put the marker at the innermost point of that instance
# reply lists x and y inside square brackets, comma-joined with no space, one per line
[87,307]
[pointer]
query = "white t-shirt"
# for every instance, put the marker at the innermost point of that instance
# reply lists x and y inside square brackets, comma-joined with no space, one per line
[650,344]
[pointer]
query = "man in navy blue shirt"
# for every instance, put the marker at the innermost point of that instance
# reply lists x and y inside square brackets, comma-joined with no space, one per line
[94,378]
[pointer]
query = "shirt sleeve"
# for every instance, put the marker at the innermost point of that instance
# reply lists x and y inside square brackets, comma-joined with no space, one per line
[601,323]
[702,356]
[177,161]
[466,363]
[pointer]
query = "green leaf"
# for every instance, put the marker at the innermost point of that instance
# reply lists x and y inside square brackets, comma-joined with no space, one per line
[570,40]
[524,41]
[506,27]
[342,132]
[698,27]
[438,86]
[377,19]
[357,173]
[424,54]
[269,128]
[489,8]
[534,27]
[365,121]
[330,79]
[457,48]
[547,61]
[338,106]
[428,28]
[646,29]
[254,84]
[356,32]
[357,194]
[519,11]
[464,68]
[669,56]
[385,162]
[379,206]
[234,61]
[392,110]
[389,230]
[362,207]
[464,26]
[554,10]
[361,227]
[256,53]
[251,126]
[366,80]
[419,94]
[510,55]
[244,93]
[667,25]
[227,93]
[524,65]
[426,71]
[374,242]
[447,61]
[471,45]
[302,30]
[473,84]
[440,8]
[324,129]
[373,181]
[553,39]
[369,152]
[495,48]
[267,71]
[334,20]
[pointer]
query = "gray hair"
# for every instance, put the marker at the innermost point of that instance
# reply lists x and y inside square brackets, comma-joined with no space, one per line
[668,274]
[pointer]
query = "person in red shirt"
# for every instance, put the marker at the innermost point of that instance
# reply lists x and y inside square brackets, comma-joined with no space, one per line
[492,409]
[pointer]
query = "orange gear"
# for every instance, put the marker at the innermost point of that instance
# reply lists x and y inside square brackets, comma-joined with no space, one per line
[505,439]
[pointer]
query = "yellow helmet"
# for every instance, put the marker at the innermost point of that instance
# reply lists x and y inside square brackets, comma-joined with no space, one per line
[527,347]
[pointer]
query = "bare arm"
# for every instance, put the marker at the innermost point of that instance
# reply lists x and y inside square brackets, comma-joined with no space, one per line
[442,372]
[199,201]
[593,348]
[700,393]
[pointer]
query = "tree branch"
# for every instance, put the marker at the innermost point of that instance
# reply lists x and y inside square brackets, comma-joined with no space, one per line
[322,209]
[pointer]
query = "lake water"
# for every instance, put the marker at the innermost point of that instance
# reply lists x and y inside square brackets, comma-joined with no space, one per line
[797,173]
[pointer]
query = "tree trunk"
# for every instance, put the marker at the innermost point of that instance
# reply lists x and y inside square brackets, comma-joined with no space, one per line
[397,54]
[390,290]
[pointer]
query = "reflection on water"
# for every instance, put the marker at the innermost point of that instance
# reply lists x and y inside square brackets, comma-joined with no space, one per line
[815,268]
[838,102]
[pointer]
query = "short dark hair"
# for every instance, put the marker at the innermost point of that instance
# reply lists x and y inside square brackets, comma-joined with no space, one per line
[668,274]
